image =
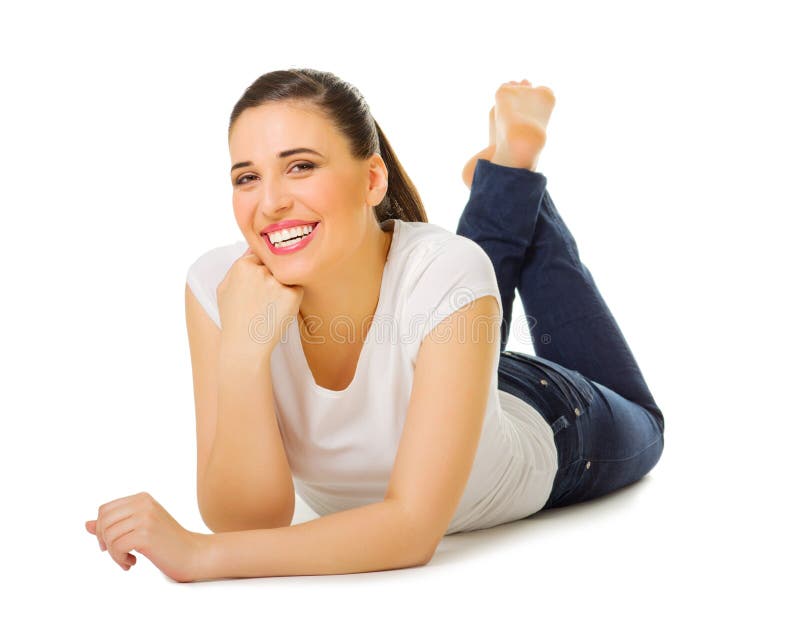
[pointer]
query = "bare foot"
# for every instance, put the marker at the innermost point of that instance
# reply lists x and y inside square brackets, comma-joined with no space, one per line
[522,109]
[521,116]
[485,154]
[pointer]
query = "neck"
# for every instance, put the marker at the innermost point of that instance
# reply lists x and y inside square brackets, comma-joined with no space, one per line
[341,304]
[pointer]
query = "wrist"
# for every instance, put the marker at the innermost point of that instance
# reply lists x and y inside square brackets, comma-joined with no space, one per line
[203,563]
[252,352]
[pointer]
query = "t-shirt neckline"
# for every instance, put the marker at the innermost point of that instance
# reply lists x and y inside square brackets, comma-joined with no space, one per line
[365,348]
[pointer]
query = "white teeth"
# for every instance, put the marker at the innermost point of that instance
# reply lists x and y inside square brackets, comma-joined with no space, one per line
[289,233]
[289,236]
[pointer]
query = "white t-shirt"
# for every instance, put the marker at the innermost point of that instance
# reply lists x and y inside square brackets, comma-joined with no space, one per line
[341,445]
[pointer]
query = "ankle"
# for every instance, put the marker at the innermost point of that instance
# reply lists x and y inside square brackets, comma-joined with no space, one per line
[505,159]
[521,145]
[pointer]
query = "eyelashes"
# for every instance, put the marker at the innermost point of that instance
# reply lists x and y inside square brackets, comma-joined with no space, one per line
[309,166]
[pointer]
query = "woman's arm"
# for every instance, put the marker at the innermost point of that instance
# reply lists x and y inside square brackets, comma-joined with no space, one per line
[431,470]
[243,477]
[369,538]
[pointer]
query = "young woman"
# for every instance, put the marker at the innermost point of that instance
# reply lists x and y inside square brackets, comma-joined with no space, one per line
[351,352]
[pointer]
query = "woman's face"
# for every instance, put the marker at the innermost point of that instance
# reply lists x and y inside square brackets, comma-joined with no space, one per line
[328,188]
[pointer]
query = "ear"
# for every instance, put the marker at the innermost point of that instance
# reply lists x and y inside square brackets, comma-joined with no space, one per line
[378,181]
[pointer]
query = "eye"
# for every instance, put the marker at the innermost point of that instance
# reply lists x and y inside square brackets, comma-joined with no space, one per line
[305,164]
[242,179]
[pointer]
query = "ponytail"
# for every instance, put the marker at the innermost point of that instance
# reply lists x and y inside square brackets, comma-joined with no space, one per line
[402,199]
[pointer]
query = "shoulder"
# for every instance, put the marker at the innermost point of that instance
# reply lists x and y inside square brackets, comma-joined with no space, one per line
[206,272]
[431,248]
[444,271]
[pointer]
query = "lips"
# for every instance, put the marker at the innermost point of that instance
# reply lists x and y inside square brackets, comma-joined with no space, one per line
[293,243]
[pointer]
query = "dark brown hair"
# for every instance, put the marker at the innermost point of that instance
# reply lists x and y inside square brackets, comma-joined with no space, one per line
[348,111]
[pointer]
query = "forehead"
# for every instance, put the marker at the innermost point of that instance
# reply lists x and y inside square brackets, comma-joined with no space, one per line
[267,129]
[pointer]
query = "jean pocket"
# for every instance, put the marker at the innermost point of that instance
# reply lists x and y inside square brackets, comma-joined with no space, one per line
[573,389]
[575,386]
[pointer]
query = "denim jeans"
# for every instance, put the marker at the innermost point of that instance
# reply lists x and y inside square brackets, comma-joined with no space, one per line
[584,380]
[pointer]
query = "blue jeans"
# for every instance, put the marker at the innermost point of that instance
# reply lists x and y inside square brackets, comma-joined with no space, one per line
[584,380]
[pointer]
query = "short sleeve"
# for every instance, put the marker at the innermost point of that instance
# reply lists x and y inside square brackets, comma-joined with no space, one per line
[454,274]
[207,272]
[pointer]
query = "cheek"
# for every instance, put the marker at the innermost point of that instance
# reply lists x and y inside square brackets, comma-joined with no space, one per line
[243,211]
[332,201]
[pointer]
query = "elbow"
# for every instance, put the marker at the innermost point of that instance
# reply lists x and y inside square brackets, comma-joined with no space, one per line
[225,519]
[425,551]
[422,561]
[212,520]
[428,554]
[238,523]
[418,560]
[410,560]
[420,537]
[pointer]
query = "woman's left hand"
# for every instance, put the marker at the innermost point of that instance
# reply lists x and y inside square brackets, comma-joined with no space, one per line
[138,522]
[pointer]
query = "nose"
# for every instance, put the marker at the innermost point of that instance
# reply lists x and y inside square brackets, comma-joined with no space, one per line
[275,199]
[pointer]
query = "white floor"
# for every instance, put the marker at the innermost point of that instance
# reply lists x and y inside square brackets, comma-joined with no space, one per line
[707,539]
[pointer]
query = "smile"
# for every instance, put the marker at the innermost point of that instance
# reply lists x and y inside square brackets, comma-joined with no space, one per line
[290,239]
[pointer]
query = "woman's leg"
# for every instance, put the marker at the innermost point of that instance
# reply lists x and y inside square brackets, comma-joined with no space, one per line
[512,217]
[573,325]
[622,433]
[500,216]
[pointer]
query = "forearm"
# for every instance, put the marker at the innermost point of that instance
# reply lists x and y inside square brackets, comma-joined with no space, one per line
[369,538]
[247,461]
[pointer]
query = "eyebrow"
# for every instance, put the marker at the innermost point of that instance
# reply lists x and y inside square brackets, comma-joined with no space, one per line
[282,154]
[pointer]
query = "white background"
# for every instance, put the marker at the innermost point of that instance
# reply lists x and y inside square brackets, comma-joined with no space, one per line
[671,155]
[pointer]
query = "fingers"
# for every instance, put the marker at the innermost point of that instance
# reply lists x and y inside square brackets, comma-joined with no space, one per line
[91,526]
[118,502]
[249,253]
[114,520]
[114,537]
[124,559]
[255,258]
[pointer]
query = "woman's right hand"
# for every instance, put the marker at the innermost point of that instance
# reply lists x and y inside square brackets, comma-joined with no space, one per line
[254,308]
